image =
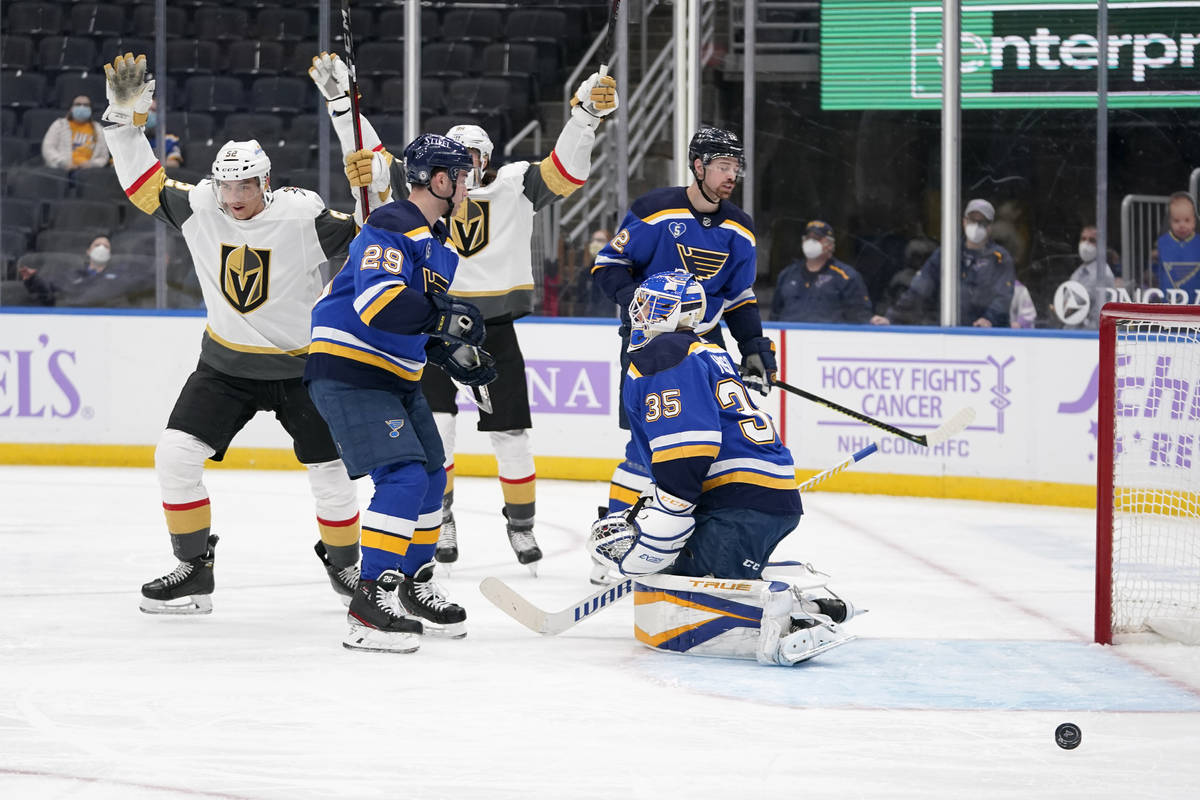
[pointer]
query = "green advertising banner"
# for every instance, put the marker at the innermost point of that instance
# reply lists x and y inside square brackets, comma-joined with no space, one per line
[887,54]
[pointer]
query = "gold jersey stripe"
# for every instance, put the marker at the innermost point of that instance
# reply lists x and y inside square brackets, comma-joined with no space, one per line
[527,287]
[518,493]
[249,348]
[666,212]
[377,305]
[742,228]
[342,351]
[621,494]
[752,478]
[427,535]
[145,190]
[685,451]
[555,180]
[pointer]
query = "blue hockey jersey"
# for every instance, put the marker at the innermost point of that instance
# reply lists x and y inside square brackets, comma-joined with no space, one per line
[370,322]
[1178,265]
[694,423]
[662,232]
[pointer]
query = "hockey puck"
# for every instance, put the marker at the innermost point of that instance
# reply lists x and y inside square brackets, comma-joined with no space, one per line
[1068,736]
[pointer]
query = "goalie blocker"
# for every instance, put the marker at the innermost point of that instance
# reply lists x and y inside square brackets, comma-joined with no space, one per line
[771,622]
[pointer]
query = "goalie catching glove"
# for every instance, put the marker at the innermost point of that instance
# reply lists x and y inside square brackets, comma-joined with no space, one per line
[597,95]
[650,542]
[758,366]
[129,93]
[467,364]
[370,169]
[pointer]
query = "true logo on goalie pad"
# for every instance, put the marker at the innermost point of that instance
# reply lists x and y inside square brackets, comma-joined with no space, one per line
[245,276]
[470,228]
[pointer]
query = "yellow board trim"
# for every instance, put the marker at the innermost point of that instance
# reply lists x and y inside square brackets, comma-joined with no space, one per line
[996,490]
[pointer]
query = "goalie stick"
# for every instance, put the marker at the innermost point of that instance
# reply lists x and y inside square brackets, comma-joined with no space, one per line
[944,432]
[348,41]
[552,623]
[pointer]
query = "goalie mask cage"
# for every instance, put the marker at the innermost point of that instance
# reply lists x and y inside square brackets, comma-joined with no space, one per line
[1148,473]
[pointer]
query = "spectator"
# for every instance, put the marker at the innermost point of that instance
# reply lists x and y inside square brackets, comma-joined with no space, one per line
[73,141]
[1022,313]
[95,284]
[820,288]
[173,155]
[1094,277]
[986,275]
[1178,264]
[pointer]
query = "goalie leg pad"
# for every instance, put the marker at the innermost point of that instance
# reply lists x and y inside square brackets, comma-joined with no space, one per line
[748,619]
[706,616]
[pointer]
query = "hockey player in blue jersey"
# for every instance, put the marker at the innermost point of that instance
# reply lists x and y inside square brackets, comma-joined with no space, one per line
[383,315]
[697,229]
[722,496]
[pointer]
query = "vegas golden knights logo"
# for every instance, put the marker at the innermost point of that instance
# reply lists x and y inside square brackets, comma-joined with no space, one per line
[470,228]
[245,273]
[701,263]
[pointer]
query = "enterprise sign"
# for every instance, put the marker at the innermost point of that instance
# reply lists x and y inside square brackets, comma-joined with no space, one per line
[888,54]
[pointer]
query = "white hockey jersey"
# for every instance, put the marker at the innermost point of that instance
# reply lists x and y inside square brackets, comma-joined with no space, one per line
[493,228]
[260,277]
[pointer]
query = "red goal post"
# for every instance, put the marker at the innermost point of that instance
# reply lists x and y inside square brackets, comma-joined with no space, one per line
[1148,473]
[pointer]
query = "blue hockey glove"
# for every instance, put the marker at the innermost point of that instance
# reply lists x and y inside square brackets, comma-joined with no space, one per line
[457,321]
[758,366]
[464,363]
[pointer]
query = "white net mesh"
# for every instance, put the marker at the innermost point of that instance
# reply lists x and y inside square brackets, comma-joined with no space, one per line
[1156,479]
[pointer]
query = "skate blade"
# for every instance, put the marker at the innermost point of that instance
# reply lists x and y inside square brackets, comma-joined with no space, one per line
[532,566]
[191,605]
[816,651]
[455,630]
[372,640]
[445,557]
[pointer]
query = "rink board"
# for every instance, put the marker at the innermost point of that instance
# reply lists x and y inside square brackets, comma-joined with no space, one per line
[91,387]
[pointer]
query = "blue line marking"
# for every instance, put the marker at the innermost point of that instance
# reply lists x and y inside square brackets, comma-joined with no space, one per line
[936,675]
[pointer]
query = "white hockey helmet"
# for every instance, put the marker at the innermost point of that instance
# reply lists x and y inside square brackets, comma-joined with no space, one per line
[237,161]
[665,303]
[474,137]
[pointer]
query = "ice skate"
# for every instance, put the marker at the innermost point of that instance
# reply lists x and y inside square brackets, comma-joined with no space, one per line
[809,637]
[377,621]
[447,544]
[185,590]
[343,579]
[419,596]
[835,608]
[520,537]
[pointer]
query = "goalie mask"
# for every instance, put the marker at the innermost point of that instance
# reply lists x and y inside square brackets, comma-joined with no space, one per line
[474,137]
[241,179]
[665,303]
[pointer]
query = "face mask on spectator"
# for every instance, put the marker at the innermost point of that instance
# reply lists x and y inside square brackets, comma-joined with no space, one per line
[151,120]
[81,113]
[1087,251]
[812,248]
[100,254]
[976,233]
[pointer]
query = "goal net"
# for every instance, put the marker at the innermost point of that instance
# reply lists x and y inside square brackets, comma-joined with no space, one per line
[1148,473]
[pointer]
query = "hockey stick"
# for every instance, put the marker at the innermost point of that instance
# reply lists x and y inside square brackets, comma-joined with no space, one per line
[552,623]
[948,429]
[348,40]
[610,46]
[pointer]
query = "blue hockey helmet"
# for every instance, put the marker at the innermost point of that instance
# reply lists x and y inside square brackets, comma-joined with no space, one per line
[664,303]
[709,143]
[429,152]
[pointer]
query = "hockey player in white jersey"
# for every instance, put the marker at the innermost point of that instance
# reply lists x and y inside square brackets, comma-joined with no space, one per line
[256,252]
[492,231]
[723,494]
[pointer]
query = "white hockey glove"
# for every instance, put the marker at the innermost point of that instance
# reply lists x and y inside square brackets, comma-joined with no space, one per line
[597,95]
[129,93]
[331,76]
[370,169]
[651,542]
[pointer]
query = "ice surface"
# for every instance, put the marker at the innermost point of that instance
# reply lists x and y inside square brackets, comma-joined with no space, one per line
[976,646]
